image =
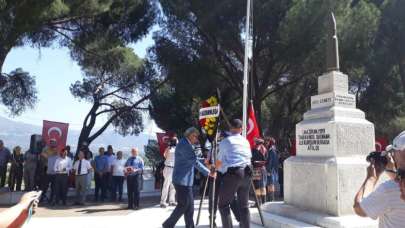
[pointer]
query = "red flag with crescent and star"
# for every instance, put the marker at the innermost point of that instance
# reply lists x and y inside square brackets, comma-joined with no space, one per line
[252,127]
[55,131]
[163,141]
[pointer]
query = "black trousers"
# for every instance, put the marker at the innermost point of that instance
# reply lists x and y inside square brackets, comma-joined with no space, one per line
[100,186]
[234,204]
[235,181]
[15,178]
[118,184]
[185,206]
[3,173]
[108,184]
[133,187]
[49,181]
[61,187]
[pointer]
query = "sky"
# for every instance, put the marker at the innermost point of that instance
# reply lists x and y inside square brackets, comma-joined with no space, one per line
[55,71]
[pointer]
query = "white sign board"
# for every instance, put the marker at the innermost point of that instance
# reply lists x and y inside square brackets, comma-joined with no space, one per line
[314,139]
[209,112]
[333,99]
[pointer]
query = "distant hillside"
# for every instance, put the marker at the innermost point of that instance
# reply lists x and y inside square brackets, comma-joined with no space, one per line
[15,133]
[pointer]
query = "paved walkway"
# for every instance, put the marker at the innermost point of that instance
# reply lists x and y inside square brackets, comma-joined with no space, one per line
[109,216]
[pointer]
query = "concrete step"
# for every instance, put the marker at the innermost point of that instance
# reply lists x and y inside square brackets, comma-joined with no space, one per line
[275,221]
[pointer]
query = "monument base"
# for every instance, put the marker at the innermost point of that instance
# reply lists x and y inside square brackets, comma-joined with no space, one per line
[280,215]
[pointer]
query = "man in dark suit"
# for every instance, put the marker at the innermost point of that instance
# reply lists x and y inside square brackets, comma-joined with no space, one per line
[183,176]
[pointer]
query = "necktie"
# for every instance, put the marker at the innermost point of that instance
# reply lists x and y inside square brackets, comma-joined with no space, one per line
[79,170]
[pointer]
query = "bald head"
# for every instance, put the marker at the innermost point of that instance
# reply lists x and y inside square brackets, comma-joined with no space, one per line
[134,152]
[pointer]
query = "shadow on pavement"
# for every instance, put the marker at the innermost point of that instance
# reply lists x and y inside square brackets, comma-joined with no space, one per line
[91,211]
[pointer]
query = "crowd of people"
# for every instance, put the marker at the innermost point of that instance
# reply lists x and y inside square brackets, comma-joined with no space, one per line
[232,169]
[53,172]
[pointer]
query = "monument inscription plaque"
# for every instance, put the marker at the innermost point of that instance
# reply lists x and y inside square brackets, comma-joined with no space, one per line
[333,99]
[314,140]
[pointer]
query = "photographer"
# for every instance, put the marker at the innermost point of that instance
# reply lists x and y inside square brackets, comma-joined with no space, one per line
[384,203]
[168,191]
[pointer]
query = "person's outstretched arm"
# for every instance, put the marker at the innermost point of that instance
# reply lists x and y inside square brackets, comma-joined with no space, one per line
[366,189]
[18,214]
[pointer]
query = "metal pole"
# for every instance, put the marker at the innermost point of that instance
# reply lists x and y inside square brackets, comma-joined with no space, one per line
[257,202]
[246,69]
[213,202]
[201,201]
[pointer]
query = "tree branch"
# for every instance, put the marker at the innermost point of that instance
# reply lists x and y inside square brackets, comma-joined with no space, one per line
[125,109]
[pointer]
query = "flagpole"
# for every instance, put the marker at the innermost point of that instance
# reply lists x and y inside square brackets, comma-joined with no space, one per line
[246,69]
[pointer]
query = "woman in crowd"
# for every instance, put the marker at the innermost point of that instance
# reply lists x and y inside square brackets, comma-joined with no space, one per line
[16,170]
[118,178]
[272,166]
[259,158]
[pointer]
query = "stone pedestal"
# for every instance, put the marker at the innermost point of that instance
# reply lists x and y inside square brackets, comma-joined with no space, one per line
[332,143]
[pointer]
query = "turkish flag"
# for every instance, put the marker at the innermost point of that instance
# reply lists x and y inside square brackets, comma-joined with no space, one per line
[55,131]
[252,127]
[163,141]
[380,144]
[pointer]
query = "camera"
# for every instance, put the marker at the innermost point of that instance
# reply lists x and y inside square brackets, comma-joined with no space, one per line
[378,158]
[173,142]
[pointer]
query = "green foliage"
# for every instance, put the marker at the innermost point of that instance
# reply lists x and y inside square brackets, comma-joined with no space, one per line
[74,23]
[152,153]
[112,81]
[383,99]
[200,48]
[17,91]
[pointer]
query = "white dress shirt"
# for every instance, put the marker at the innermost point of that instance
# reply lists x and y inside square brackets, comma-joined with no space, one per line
[170,157]
[63,165]
[86,166]
[118,167]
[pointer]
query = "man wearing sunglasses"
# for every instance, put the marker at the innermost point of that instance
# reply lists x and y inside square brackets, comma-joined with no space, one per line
[387,201]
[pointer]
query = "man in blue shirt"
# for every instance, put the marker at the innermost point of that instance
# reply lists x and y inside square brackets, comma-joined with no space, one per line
[183,178]
[100,168]
[133,170]
[234,159]
[5,155]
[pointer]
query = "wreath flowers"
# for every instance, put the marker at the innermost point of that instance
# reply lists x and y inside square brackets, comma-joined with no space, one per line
[209,124]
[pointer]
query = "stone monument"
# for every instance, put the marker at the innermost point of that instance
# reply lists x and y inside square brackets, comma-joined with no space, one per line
[332,142]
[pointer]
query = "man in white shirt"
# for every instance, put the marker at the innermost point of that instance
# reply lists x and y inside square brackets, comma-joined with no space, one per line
[168,187]
[63,165]
[386,202]
[118,178]
[81,169]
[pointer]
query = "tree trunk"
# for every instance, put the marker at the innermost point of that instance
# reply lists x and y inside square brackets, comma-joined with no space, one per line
[88,125]
[3,54]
